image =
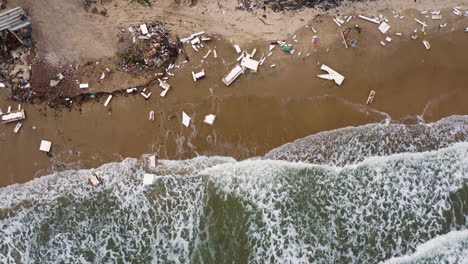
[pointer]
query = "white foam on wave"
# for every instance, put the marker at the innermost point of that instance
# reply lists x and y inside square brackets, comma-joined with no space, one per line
[354,144]
[450,248]
[378,208]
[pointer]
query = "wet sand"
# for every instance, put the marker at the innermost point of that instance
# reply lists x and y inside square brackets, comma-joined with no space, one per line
[258,112]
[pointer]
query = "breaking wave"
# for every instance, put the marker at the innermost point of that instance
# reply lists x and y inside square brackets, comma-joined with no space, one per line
[367,194]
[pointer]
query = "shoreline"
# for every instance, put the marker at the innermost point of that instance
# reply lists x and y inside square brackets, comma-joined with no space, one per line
[259,111]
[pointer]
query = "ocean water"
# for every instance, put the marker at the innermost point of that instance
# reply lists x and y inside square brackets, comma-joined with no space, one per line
[379,193]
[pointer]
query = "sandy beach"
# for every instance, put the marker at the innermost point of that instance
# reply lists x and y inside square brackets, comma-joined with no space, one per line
[260,111]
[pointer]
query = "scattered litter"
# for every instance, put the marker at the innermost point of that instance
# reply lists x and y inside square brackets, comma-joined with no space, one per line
[426,44]
[370,98]
[399,34]
[344,39]
[436,17]
[382,43]
[2,85]
[369,19]
[253,53]
[148,178]
[17,127]
[420,22]
[207,54]
[384,27]
[238,49]
[273,65]
[249,64]
[185,119]
[94,180]
[152,161]
[272,47]
[45,146]
[388,39]
[198,75]
[209,119]
[315,31]
[144,29]
[287,48]
[108,101]
[151,116]
[13,116]
[84,86]
[164,92]
[131,90]
[146,96]
[215,55]
[332,75]
[232,75]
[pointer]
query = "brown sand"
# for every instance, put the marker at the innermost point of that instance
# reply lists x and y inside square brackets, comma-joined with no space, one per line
[259,111]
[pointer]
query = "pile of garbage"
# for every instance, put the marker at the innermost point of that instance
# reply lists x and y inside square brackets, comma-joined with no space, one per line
[16,49]
[150,48]
[287,5]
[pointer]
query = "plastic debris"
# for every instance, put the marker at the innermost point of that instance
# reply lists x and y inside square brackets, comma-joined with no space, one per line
[148,178]
[151,116]
[17,128]
[426,44]
[369,19]
[384,27]
[370,98]
[232,75]
[94,180]
[152,161]
[332,75]
[238,49]
[45,146]
[198,75]
[209,119]
[185,119]
[13,116]
[250,64]
[84,86]
[108,101]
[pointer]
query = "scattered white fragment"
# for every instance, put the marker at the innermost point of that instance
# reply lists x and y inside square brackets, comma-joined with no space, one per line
[436,17]
[384,27]
[272,47]
[215,55]
[399,34]
[94,180]
[370,98]
[195,41]
[269,54]
[148,178]
[238,49]
[13,116]
[420,22]
[388,39]
[315,31]
[253,53]
[2,85]
[164,92]
[344,39]
[195,48]
[369,19]
[164,84]
[152,161]
[151,116]
[17,127]
[232,75]
[209,119]
[146,96]
[383,43]
[84,85]
[198,75]
[207,54]
[250,64]
[185,119]
[103,75]
[273,65]
[426,44]
[332,75]
[108,101]
[144,29]
[45,146]
[9,109]
[131,90]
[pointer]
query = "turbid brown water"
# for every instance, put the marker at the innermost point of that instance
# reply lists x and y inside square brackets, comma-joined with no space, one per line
[257,113]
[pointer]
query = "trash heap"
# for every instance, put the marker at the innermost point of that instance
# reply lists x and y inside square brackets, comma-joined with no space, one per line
[150,48]
[16,49]
[286,5]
